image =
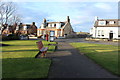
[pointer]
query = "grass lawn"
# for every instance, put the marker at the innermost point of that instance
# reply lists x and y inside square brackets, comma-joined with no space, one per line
[104,55]
[18,60]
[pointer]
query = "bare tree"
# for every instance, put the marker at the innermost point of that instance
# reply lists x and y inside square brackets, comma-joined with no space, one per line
[15,19]
[8,14]
[1,12]
[6,11]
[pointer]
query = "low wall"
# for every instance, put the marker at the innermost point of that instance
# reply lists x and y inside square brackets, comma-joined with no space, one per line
[77,36]
[96,39]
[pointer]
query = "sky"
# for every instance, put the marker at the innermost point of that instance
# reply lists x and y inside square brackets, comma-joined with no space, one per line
[81,14]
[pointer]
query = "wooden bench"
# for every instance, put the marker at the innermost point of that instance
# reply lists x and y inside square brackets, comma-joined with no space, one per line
[42,49]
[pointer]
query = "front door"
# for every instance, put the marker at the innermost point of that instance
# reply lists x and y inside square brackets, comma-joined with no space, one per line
[111,35]
[52,33]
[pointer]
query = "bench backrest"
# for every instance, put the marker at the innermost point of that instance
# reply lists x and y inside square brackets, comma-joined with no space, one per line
[39,44]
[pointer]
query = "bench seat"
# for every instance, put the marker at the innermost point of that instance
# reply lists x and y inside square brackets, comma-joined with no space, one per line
[43,49]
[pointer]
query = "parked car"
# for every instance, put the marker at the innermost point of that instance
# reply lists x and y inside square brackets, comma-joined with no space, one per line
[24,37]
[31,35]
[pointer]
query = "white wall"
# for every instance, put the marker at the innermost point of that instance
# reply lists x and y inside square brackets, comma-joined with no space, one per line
[24,27]
[49,25]
[17,27]
[53,25]
[93,32]
[42,26]
[106,30]
[58,25]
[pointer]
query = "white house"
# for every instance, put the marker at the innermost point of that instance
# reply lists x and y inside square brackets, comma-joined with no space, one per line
[106,28]
[57,29]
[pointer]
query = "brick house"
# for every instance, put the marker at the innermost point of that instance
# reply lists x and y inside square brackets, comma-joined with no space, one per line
[20,29]
[57,29]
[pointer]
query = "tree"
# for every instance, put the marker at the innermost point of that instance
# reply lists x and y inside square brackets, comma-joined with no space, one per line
[1,12]
[15,19]
[8,14]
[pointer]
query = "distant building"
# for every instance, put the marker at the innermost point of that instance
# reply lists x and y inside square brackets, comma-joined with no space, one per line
[58,29]
[20,29]
[106,28]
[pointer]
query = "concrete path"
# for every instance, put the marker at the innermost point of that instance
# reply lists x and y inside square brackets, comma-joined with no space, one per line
[69,63]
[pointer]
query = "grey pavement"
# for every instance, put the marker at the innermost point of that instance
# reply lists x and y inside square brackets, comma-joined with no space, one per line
[67,62]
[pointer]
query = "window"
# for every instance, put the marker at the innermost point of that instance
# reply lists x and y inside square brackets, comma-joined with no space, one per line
[102,32]
[102,35]
[46,24]
[54,25]
[112,22]
[102,23]
[58,25]
[50,25]
[98,32]
[62,24]
[111,31]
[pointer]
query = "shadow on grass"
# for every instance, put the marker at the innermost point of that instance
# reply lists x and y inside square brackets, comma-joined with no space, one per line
[1,45]
[20,50]
[26,50]
[30,45]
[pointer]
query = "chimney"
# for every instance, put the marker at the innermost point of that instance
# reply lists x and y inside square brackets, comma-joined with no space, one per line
[68,19]
[15,24]
[44,20]
[96,18]
[20,23]
[33,23]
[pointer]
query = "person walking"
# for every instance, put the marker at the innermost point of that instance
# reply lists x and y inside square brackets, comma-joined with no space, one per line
[47,37]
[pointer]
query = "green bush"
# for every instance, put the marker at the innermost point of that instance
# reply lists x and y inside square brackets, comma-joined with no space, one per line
[10,37]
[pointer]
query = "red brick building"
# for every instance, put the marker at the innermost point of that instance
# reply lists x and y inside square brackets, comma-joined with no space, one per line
[20,29]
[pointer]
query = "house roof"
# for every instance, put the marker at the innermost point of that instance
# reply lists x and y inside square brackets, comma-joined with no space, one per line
[62,24]
[107,23]
[55,22]
[26,24]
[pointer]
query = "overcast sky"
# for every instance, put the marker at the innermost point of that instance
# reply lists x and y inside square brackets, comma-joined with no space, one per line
[81,13]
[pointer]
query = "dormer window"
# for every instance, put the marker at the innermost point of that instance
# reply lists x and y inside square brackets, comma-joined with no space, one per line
[54,25]
[112,22]
[50,25]
[102,23]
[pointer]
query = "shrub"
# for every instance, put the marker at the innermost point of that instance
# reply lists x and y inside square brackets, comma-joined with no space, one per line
[10,37]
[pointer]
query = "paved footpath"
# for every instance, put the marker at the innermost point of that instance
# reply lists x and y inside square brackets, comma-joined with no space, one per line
[69,63]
